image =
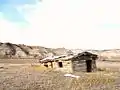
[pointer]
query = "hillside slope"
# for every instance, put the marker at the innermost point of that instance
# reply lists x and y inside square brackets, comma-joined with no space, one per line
[9,50]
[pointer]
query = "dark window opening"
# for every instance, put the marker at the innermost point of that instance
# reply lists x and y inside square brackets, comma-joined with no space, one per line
[46,65]
[60,64]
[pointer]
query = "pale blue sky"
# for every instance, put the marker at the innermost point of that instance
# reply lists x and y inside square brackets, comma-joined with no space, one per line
[87,24]
[9,9]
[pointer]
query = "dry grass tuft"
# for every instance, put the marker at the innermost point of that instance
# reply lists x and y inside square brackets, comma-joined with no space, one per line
[38,68]
[91,80]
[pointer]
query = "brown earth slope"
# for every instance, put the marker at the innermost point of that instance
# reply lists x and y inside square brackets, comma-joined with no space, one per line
[9,50]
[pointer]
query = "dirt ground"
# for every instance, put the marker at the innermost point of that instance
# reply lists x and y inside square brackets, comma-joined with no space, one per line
[27,77]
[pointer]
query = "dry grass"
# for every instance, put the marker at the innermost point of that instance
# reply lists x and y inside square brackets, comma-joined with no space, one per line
[26,77]
[34,78]
[38,68]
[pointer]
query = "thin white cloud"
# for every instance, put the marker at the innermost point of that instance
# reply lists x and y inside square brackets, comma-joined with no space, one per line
[72,24]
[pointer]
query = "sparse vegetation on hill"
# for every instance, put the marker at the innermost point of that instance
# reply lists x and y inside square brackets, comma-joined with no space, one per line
[9,50]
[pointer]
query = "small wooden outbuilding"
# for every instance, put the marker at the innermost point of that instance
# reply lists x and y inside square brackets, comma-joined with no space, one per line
[85,62]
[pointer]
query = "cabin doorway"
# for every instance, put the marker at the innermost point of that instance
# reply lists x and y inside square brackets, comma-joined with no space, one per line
[89,65]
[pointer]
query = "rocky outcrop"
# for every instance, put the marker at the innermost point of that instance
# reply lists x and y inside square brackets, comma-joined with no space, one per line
[9,50]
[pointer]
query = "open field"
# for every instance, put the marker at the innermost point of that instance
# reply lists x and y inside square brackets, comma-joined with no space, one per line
[26,77]
[18,61]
